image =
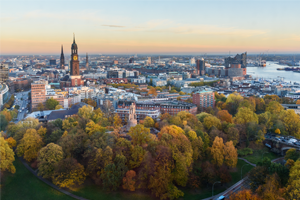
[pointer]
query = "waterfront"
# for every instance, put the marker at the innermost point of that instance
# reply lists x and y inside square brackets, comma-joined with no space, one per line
[271,72]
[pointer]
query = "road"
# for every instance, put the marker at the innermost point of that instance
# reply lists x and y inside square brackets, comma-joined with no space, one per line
[21,100]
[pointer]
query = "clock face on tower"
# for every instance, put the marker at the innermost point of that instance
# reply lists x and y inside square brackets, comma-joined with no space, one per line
[74,57]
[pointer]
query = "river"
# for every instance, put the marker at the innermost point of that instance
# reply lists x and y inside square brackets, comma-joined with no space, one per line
[271,72]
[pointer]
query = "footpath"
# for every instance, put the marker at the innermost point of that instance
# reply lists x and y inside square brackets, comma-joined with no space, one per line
[238,186]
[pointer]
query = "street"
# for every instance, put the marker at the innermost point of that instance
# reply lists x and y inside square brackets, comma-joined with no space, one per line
[21,99]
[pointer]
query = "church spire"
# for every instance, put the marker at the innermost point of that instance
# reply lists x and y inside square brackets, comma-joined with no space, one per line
[73,37]
[62,50]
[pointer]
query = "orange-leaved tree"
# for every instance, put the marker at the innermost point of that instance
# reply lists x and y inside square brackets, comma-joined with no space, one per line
[128,181]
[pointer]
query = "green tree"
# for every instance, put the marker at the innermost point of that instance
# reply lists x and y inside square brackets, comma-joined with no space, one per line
[292,154]
[51,103]
[3,122]
[7,157]
[47,158]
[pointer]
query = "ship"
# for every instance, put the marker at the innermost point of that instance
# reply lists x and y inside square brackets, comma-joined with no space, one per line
[263,63]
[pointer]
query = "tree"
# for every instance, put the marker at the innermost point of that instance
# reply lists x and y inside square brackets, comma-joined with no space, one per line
[92,128]
[3,122]
[293,187]
[117,121]
[47,158]
[42,131]
[148,122]
[30,145]
[11,142]
[292,154]
[85,112]
[58,107]
[140,134]
[274,107]
[7,115]
[128,181]
[245,195]
[68,173]
[298,101]
[233,135]
[245,115]
[277,131]
[51,103]
[291,122]
[223,115]
[137,155]
[211,121]
[7,157]
[153,92]
[230,154]
[217,151]
[113,173]
[289,163]
[91,102]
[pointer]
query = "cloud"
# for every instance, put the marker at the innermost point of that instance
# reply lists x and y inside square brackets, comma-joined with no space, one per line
[114,26]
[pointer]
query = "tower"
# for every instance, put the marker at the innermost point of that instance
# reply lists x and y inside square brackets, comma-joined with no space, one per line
[62,58]
[74,66]
[132,121]
[87,62]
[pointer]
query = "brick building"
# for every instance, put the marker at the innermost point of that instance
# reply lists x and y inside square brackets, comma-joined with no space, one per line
[204,99]
[38,93]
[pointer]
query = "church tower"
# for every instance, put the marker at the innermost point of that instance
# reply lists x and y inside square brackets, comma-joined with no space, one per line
[87,62]
[62,58]
[74,65]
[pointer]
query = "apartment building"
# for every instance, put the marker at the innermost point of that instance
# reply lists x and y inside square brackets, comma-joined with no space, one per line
[204,99]
[38,93]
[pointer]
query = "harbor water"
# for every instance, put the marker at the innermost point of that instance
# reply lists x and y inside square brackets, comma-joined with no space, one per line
[270,72]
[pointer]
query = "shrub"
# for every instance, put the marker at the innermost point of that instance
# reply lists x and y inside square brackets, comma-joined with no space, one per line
[245,151]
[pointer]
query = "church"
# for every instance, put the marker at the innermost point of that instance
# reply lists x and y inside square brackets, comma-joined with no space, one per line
[74,79]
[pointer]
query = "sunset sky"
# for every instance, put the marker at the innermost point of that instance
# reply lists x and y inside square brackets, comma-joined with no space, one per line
[107,27]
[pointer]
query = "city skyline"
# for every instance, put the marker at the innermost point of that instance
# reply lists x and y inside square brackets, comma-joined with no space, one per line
[149,27]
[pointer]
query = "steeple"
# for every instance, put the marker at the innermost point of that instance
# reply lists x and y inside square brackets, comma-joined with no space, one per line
[62,50]
[62,58]
[74,38]
[87,61]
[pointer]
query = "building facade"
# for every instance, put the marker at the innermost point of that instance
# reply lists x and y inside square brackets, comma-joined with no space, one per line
[204,99]
[38,93]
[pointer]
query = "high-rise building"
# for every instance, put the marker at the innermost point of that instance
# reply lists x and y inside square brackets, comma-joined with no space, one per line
[38,93]
[192,61]
[200,66]
[204,99]
[131,60]
[52,62]
[62,58]
[3,73]
[87,62]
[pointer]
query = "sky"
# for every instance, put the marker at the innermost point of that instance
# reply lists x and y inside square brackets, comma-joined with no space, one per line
[156,26]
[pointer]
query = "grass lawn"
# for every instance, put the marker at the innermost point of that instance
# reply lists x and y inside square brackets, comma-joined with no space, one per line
[192,194]
[24,185]
[259,154]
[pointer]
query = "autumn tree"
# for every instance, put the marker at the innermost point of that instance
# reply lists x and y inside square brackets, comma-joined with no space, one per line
[211,121]
[245,195]
[128,181]
[274,107]
[153,92]
[298,101]
[68,173]
[137,155]
[91,102]
[92,128]
[217,151]
[42,131]
[57,107]
[40,107]
[148,122]
[11,142]
[245,115]
[291,122]
[230,154]
[223,115]
[140,134]
[85,112]
[30,145]
[51,103]
[117,121]
[233,135]
[292,154]
[47,158]
[7,157]
[293,187]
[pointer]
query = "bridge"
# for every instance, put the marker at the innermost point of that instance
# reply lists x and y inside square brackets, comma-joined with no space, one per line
[278,146]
